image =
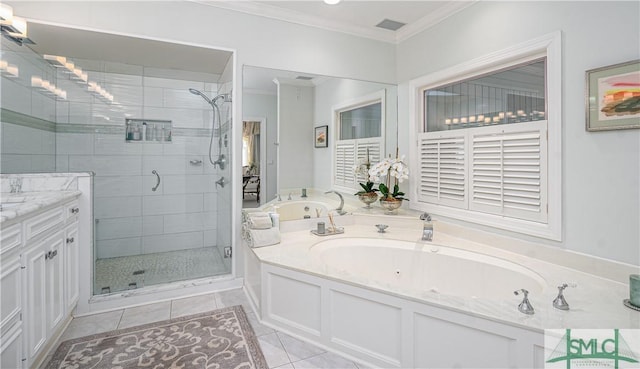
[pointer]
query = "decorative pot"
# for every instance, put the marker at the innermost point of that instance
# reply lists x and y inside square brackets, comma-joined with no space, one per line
[390,204]
[368,198]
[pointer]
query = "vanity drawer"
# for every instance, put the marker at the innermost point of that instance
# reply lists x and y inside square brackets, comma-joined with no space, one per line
[71,210]
[41,223]
[10,238]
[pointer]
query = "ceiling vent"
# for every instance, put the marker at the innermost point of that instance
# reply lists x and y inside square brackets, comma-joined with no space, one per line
[391,25]
[304,78]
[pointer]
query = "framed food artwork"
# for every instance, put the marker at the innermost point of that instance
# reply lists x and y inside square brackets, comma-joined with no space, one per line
[613,97]
[322,137]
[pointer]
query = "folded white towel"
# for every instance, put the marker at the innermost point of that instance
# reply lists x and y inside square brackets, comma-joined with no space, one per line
[263,237]
[259,221]
[246,212]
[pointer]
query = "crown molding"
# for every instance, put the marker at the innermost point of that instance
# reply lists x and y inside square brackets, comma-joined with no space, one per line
[432,19]
[274,12]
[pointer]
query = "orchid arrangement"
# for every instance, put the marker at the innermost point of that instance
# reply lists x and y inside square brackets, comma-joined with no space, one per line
[383,172]
[362,169]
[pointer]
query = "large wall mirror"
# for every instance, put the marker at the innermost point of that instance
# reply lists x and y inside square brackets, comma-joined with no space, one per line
[140,114]
[292,108]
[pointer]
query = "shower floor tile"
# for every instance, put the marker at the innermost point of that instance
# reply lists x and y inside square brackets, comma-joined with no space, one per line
[123,273]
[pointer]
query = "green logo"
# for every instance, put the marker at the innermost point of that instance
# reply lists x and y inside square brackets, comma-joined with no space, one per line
[592,350]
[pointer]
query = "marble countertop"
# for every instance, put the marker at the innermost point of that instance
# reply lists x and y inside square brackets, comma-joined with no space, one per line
[15,206]
[596,302]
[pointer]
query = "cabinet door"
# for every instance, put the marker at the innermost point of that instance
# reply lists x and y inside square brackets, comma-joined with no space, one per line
[55,288]
[35,305]
[11,287]
[71,267]
[11,349]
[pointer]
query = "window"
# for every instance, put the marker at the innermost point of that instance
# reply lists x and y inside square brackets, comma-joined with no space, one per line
[359,127]
[488,140]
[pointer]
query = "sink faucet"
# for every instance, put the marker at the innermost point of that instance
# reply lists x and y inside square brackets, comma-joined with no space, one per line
[339,208]
[427,227]
[289,197]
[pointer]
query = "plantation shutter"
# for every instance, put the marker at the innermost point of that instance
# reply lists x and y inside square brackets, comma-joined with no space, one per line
[508,170]
[344,162]
[347,154]
[374,147]
[442,168]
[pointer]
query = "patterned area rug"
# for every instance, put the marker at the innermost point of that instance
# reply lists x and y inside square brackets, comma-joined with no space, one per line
[218,339]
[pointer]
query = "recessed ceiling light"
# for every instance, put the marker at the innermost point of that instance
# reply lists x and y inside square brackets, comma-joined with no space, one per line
[331,2]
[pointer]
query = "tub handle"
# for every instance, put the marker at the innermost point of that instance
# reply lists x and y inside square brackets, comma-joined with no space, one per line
[158,180]
[525,306]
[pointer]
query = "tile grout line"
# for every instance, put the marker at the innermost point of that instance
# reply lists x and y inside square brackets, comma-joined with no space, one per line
[283,348]
[120,319]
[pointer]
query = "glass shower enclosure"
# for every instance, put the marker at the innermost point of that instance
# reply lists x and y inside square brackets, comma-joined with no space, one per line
[162,205]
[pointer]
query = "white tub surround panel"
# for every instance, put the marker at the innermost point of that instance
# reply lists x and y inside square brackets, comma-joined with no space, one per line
[327,290]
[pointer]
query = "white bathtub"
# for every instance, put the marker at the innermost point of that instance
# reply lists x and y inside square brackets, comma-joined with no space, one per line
[394,265]
[369,296]
[294,210]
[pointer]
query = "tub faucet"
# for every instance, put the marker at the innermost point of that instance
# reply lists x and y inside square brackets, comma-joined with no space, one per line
[525,306]
[339,208]
[427,227]
[560,302]
[278,197]
[289,197]
[16,185]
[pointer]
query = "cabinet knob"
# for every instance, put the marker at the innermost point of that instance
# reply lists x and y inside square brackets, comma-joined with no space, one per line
[50,255]
[70,240]
[75,210]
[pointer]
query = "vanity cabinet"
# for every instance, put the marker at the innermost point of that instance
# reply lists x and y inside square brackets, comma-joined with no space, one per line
[11,327]
[40,282]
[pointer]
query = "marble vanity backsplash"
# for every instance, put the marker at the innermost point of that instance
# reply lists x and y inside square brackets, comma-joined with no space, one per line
[41,182]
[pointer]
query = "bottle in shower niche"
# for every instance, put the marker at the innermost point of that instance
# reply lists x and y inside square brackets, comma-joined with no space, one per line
[129,132]
[156,133]
[144,131]
[137,135]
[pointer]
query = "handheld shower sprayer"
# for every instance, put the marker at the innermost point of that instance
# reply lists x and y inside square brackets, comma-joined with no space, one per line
[221,161]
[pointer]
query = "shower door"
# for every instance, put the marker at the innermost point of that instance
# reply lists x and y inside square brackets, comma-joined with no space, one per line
[159,215]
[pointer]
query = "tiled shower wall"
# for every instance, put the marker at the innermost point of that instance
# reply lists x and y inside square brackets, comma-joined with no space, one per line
[28,116]
[83,133]
[131,218]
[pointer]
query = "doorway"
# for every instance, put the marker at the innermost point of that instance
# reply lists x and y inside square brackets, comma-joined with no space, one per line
[253,162]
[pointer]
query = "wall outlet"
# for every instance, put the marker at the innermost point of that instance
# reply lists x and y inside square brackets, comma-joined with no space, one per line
[227,252]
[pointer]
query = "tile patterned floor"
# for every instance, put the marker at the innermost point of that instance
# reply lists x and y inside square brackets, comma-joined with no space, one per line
[280,350]
[163,267]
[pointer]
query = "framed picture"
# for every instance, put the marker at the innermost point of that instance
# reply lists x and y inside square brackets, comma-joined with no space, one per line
[322,136]
[613,97]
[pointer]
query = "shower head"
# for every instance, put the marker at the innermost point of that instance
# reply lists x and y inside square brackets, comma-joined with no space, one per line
[196,92]
[224,97]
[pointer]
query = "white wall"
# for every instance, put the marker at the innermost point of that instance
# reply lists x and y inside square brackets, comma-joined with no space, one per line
[260,41]
[265,106]
[295,137]
[601,170]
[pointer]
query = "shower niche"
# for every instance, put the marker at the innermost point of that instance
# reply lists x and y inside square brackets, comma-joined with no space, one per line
[148,130]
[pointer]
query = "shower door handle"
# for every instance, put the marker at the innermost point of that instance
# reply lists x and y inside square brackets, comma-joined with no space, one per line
[157,178]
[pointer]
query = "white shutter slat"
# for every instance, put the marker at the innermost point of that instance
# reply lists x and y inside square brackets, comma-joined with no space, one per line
[344,162]
[507,171]
[374,145]
[442,168]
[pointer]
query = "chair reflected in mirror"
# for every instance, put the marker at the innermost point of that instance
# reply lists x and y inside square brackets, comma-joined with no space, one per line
[251,186]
